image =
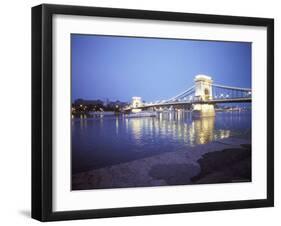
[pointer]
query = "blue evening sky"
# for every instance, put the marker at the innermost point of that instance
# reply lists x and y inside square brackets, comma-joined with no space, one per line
[118,68]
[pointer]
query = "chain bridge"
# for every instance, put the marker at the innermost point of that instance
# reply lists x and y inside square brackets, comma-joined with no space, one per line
[201,97]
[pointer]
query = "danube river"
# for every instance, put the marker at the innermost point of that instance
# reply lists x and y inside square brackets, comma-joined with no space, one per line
[108,140]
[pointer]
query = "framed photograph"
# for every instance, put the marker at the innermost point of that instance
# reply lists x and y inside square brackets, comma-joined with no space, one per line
[145,112]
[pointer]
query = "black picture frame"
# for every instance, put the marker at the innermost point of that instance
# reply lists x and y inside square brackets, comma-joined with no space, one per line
[42,111]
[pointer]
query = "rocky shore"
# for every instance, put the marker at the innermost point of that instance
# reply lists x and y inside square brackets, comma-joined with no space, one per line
[224,161]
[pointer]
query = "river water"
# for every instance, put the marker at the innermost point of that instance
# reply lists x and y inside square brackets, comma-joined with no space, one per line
[107,140]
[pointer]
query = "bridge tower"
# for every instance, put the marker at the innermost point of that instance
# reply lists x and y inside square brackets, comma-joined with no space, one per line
[203,92]
[136,103]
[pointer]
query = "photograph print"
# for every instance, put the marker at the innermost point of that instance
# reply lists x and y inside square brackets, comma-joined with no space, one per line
[148,111]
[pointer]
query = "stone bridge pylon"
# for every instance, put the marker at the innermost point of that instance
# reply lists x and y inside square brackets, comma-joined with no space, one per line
[136,104]
[203,92]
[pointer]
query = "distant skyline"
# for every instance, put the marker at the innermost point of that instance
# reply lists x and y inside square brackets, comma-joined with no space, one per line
[117,68]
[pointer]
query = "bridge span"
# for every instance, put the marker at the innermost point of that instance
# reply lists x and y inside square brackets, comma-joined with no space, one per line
[201,97]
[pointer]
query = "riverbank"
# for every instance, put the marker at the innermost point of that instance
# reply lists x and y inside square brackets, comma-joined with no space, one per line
[222,161]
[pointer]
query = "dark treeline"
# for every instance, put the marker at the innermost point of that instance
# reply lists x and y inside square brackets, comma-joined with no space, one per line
[81,106]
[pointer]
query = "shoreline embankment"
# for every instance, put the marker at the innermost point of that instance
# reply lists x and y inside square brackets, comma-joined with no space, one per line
[222,161]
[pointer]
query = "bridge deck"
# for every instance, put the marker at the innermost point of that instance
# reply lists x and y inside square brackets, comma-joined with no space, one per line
[215,101]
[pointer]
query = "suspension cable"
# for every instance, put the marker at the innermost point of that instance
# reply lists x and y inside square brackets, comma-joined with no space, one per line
[182,93]
[232,87]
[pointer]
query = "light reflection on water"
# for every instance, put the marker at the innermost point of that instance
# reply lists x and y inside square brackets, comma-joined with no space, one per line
[108,140]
